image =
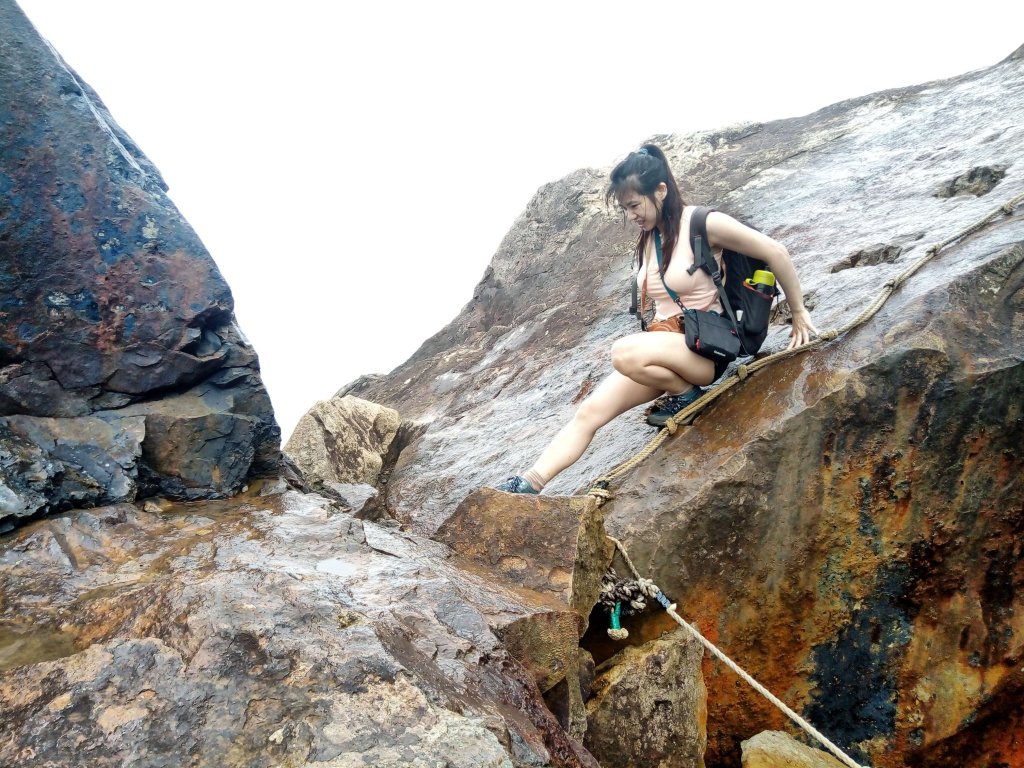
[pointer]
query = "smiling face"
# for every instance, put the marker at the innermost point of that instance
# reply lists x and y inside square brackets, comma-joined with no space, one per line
[642,210]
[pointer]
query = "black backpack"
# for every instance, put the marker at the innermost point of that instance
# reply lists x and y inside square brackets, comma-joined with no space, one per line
[747,307]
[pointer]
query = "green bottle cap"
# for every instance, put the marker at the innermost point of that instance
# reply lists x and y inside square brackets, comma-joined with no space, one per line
[763,277]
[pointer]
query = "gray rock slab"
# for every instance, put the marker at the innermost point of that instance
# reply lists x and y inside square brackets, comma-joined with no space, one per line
[258,631]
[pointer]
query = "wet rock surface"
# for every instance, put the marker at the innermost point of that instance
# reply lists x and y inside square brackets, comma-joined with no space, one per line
[845,523]
[260,631]
[80,462]
[108,300]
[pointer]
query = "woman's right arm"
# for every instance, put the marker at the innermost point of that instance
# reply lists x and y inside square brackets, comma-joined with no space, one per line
[725,232]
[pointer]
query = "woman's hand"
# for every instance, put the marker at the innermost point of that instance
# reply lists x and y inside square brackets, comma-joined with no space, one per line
[803,328]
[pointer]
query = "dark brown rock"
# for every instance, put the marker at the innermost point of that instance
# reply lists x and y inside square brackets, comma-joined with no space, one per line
[108,298]
[553,546]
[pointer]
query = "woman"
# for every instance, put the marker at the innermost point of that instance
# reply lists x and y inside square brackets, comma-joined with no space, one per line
[648,365]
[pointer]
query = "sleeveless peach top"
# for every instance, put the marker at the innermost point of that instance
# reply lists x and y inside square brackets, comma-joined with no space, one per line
[696,291]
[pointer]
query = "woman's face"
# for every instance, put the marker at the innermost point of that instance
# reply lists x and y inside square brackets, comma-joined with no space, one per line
[641,209]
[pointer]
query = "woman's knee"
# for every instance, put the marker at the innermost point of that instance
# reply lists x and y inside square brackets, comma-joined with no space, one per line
[592,415]
[625,357]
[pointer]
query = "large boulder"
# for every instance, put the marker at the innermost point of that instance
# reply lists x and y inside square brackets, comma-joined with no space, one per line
[110,306]
[847,522]
[343,441]
[262,631]
[556,547]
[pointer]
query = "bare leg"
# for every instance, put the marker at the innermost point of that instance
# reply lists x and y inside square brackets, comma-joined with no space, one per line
[615,395]
[646,366]
[661,360]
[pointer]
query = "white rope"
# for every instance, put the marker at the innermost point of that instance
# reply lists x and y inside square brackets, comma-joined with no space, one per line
[647,584]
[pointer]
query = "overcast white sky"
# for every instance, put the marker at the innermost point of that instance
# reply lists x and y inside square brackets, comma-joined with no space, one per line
[353,166]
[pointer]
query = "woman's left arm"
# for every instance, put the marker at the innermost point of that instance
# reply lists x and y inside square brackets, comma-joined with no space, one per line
[725,232]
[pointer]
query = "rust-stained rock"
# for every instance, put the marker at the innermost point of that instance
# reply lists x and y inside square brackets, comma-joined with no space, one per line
[259,631]
[342,440]
[775,749]
[648,708]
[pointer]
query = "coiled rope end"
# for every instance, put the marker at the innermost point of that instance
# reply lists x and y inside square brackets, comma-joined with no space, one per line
[616,631]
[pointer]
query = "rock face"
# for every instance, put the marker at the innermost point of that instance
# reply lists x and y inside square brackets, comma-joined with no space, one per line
[649,706]
[773,749]
[111,310]
[262,631]
[846,523]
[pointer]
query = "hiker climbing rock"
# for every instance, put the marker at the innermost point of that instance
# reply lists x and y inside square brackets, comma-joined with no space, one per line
[675,362]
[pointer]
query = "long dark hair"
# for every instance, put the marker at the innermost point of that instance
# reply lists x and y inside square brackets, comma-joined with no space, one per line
[641,172]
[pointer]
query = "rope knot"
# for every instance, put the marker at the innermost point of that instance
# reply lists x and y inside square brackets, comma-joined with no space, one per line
[648,587]
[671,426]
[742,371]
[830,335]
[1007,208]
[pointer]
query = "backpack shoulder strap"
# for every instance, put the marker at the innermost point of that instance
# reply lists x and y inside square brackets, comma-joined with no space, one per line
[702,258]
